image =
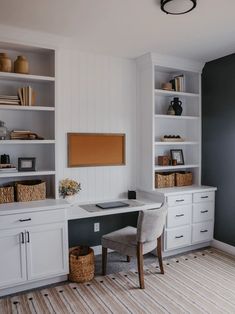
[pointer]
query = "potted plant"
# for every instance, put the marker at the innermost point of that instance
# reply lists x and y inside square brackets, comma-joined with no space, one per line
[69,188]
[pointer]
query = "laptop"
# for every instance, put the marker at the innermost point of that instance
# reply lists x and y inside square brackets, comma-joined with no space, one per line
[110,205]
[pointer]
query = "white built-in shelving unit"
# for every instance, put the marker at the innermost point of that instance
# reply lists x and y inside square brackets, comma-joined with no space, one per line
[39,118]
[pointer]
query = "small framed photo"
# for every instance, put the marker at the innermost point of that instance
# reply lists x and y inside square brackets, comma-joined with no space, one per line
[26,164]
[177,154]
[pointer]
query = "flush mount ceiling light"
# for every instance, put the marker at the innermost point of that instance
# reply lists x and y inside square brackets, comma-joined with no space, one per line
[177,7]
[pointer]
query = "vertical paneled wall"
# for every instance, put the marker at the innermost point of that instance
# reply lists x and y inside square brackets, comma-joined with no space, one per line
[96,94]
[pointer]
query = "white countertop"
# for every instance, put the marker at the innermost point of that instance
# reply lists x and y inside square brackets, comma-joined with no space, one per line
[185,190]
[77,212]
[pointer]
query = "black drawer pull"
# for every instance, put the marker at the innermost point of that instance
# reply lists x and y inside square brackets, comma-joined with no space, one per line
[27,219]
[178,237]
[205,196]
[181,215]
[22,237]
[204,211]
[203,231]
[179,200]
[28,238]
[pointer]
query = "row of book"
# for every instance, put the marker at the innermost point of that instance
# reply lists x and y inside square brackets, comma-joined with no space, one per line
[24,135]
[25,97]
[178,83]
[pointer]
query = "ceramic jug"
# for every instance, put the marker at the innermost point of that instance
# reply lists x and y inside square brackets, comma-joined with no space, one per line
[176,104]
[5,63]
[21,65]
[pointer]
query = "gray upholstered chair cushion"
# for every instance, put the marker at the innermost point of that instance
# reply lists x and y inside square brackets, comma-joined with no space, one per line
[124,241]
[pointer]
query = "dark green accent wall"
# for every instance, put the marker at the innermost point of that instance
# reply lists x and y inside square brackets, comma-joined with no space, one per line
[81,232]
[218,142]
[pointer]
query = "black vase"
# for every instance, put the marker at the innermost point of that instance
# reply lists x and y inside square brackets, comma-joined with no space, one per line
[176,104]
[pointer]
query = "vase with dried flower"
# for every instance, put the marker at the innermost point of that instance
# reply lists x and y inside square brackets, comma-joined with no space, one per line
[68,189]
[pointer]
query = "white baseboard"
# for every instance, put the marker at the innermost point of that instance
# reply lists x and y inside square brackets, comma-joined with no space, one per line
[223,247]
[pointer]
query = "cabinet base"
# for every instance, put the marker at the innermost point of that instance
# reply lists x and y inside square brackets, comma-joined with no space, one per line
[186,249]
[32,285]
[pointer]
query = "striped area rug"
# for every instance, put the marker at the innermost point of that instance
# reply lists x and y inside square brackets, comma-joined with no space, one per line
[200,282]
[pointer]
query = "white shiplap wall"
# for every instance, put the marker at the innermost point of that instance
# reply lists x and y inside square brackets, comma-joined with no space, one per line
[96,94]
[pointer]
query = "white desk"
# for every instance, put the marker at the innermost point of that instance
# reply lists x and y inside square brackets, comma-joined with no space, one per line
[77,211]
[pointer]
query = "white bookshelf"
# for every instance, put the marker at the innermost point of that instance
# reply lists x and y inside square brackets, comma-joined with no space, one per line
[39,118]
[154,122]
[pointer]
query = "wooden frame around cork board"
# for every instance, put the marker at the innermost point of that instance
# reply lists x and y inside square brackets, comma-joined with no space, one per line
[96,149]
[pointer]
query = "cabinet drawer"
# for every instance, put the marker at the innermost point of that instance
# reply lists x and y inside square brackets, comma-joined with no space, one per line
[180,199]
[203,197]
[30,219]
[203,232]
[203,211]
[178,237]
[179,216]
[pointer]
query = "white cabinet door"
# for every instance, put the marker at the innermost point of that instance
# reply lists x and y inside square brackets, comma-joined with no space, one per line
[12,257]
[47,251]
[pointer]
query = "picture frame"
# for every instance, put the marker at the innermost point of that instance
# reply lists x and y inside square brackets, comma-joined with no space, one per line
[26,164]
[177,154]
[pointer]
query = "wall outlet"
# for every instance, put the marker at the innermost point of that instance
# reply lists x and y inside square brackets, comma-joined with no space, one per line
[96,227]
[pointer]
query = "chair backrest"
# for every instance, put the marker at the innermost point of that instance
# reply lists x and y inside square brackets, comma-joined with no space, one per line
[151,223]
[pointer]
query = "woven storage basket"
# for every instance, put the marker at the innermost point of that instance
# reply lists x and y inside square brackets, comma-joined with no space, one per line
[164,180]
[30,191]
[183,178]
[7,194]
[81,268]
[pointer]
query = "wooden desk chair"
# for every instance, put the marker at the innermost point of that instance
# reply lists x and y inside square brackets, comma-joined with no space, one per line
[138,241]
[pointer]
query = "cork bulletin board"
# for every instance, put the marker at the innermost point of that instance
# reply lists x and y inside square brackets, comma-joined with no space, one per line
[96,149]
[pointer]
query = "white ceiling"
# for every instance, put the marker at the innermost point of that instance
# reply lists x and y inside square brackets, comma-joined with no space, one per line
[130,28]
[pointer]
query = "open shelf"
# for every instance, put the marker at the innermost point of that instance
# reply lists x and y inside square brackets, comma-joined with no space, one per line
[165,116]
[163,168]
[25,77]
[7,142]
[28,108]
[163,92]
[176,143]
[26,174]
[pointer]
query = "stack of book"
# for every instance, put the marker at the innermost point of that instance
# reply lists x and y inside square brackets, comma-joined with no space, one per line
[24,135]
[27,96]
[7,168]
[178,83]
[9,100]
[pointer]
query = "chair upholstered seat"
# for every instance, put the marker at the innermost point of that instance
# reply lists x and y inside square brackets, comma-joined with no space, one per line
[125,241]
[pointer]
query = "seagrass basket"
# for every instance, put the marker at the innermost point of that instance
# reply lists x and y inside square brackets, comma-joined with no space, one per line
[81,267]
[164,180]
[27,191]
[183,178]
[6,194]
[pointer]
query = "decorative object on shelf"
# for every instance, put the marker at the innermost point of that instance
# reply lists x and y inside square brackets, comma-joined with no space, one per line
[3,131]
[21,65]
[164,180]
[81,264]
[27,96]
[171,111]
[174,162]
[183,178]
[24,135]
[9,100]
[167,86]
[178,7]
[5,159]
[7,168]
[69,187]
[27,191]
[131,195]
[178,83]
[172,138]
[163,160]
[26,164]
[178,155]
[6,194]
[5,63]
[177,106]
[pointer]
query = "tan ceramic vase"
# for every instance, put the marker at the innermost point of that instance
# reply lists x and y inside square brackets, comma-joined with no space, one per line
[5,63]
[21,65]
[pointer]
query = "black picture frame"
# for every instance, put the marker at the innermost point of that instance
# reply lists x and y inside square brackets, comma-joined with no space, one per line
[26,164]
[178,155]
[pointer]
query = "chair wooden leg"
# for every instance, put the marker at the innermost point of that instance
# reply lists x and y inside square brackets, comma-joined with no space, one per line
[140,261]
[159,253]
[104,260]
[128,259]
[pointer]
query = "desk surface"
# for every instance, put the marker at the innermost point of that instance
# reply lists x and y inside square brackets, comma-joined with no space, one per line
[78,211]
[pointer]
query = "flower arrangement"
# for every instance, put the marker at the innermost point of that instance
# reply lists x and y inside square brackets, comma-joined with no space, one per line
[69,187]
